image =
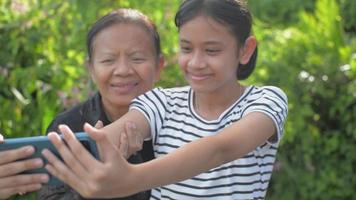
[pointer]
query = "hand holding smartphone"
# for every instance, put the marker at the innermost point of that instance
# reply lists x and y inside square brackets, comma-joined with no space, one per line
[42,142]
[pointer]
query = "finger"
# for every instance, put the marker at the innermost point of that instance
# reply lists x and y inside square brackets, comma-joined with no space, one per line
[58,169]
[124,145]
[93,132]
[13,168]
[107,149]
[16,154]
[66,154]
[5,193]
[134,138]
[23,179]
[99,124]
[81,153]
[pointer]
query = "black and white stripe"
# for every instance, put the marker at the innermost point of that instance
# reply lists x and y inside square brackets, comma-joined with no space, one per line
[174,123]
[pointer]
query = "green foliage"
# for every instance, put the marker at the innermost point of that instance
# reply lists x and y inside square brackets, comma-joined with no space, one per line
[308,48]
[316,67]
[43,52]
[276,12]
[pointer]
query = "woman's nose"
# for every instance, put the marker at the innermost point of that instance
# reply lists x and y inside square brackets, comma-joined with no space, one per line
[122,68]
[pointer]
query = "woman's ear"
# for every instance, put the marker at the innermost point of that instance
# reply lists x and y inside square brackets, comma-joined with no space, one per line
[160,67]
[248,49]
[89,66]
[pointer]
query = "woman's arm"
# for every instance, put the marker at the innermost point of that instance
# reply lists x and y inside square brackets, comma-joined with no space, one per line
[11,181]
[114,177]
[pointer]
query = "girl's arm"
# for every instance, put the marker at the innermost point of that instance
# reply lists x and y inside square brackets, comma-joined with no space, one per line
[233,142]
[138,123]
[114,177]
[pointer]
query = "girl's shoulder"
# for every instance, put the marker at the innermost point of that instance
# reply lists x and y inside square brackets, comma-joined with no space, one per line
[174,91]
[268,91]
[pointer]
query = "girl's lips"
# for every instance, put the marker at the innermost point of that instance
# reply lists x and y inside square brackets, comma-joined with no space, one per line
[199,77]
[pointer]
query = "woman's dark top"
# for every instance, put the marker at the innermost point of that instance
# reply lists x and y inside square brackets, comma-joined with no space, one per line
[90,111]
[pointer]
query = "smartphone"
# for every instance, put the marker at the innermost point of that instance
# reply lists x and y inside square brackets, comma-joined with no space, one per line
[42,142]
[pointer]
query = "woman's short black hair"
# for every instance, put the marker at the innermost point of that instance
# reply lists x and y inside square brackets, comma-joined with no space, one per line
[232,13]
[123,15]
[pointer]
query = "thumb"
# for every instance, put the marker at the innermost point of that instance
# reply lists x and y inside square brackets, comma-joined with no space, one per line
[107,150]
[93,132]
[124,145]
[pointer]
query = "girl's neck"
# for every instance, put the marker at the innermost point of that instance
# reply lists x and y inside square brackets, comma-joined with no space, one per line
[211,105]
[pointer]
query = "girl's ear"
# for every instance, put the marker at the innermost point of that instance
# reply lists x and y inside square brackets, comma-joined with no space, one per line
[248,49]
[160,67]
[89,66]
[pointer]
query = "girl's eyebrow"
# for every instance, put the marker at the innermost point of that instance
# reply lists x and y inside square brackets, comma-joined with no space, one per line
[212,42]
[184,41]
[206,42]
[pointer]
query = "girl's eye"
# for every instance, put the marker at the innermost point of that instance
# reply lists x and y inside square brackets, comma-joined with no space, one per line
[212,51]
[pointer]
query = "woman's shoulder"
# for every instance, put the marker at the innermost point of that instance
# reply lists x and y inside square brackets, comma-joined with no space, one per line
[76,116]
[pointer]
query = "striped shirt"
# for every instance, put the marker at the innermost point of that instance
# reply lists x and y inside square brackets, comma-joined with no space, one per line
[174,122]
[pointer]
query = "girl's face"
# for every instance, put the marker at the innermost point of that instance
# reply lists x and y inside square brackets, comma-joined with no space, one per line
[124,63]
[209,55]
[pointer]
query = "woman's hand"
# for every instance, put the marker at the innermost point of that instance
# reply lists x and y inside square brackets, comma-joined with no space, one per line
[130,140]
[11,181]
[105,178]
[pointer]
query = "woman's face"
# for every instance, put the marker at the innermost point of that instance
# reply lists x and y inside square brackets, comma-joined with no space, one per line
[124,64]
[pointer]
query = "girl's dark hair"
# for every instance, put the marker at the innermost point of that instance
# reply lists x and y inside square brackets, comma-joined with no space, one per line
[123,15]
[232,13]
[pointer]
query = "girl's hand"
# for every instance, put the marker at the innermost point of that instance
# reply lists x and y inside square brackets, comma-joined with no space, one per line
[104,178]
[11,181]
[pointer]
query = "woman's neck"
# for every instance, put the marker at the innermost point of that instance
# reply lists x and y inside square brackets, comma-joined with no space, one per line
[113,112]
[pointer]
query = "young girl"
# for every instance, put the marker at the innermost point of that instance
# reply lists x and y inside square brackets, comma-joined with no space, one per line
[214,139]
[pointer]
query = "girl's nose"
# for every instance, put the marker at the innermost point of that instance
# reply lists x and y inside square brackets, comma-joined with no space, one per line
[196,61]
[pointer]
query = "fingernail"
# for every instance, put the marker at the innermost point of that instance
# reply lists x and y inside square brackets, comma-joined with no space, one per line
[38,162]
[45,152]
[29,149]
[61,126]
[44,178]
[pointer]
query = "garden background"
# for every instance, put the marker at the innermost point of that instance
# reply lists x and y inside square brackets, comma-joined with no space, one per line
[306,47]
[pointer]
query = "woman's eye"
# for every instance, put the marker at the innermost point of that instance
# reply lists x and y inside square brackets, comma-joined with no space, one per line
[107,61]
[138,60]
[185,49]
